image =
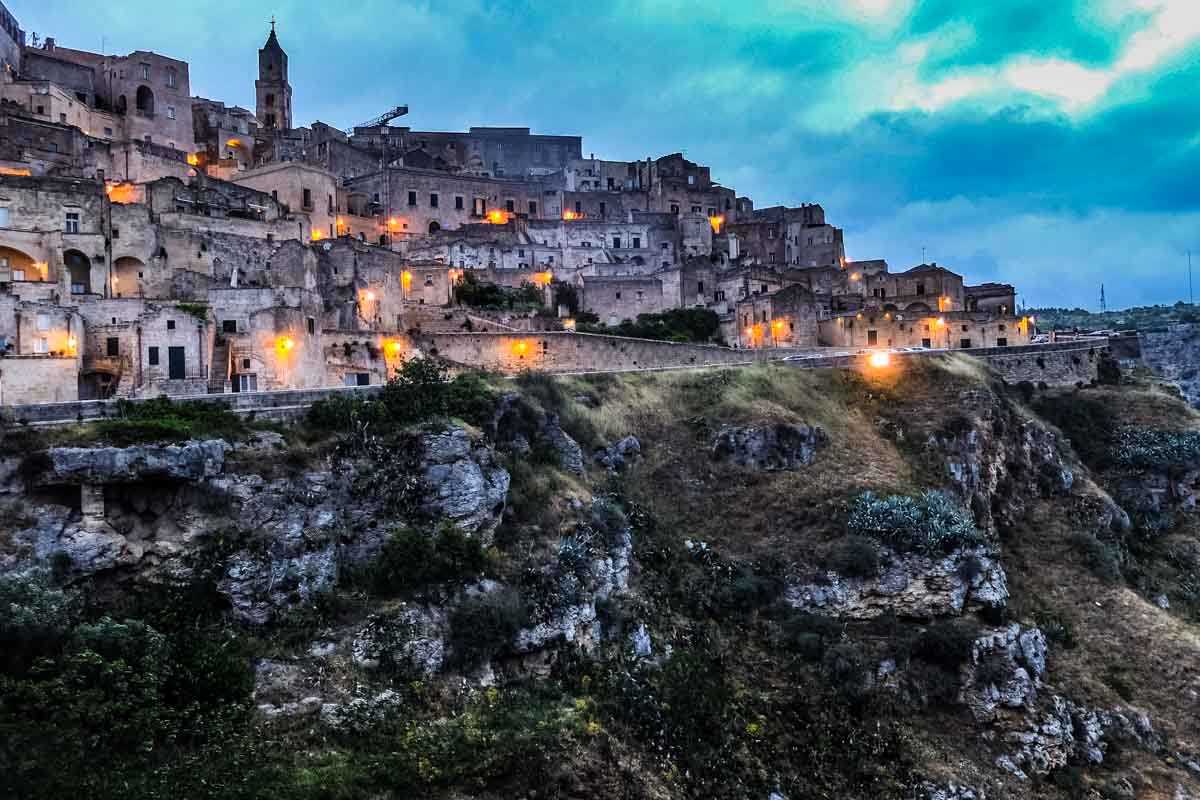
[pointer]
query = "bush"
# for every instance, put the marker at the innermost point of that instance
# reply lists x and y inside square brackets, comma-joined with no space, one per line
[1088,422]
[412,559]
[470,291]
[931,523]
[854,557]
[1164,451]
[675,325]
[163,420]
[946,644]
[483,625]
[1102,558]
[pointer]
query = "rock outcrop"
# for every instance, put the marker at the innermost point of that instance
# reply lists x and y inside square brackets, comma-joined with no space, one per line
[463,484]
[910,585]
[190,461]
[782,446]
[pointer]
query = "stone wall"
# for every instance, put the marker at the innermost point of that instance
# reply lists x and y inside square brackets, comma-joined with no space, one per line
[557,351]
[38,379]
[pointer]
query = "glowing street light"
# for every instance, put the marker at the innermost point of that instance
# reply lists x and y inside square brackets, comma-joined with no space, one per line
[880,359]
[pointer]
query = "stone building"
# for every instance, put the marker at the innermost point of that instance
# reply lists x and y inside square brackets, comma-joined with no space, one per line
[950,331]
[787,318]
[926,287]
[999,298]
[147,95]
[615,299]
[302,188]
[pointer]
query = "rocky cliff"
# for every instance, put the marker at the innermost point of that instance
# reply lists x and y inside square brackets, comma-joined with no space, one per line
[773,583]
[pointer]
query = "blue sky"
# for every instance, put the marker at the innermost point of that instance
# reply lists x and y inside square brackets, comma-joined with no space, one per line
[1051,143]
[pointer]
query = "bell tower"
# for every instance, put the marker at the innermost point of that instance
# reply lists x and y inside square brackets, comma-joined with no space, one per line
[273,93]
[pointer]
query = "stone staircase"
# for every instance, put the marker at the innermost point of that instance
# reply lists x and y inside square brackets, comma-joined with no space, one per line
[218,371]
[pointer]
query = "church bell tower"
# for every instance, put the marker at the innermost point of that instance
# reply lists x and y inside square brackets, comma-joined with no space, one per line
[273,93]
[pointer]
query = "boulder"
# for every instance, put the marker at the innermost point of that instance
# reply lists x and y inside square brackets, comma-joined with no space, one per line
[782,446]
[617,457]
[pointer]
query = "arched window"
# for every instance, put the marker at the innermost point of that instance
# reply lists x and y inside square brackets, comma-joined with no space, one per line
[81,271]
[434,227]
[145,101]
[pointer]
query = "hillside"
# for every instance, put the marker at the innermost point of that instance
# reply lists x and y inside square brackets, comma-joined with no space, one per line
[763,582]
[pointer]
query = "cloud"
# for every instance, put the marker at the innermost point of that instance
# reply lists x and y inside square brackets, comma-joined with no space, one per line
[1053,142]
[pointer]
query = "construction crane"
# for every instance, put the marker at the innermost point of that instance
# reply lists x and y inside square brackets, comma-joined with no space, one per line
[382,119]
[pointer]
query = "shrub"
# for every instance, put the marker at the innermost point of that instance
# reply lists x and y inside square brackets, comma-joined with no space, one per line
[1102,558]
[35,619]
[162,419]
[676,325]
[1142,448]
[485,624]
[946,644]
[1088,422]
[855,557]
[931,523]
[412,558]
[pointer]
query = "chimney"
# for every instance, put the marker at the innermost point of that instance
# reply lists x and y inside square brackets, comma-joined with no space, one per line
[49,44]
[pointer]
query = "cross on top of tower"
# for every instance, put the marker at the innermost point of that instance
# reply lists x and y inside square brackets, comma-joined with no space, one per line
[272,23]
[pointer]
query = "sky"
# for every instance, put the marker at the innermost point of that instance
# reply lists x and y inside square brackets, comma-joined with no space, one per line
[1052,144]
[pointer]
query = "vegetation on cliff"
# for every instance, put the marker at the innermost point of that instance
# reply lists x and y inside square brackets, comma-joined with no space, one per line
[663,624]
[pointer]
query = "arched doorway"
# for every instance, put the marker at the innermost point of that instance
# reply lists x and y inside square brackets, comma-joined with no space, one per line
[434,227]
[127,277]
[145,101]
[80,270]
[16,266]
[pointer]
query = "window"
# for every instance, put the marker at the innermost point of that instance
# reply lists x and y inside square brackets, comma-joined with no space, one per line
[176,363]
[357,379]
[229,326]
[618,295]
[1002,342]
[616,242]
[964,343]
[108,132]
[311,323]
[458,202]
[329,200]
[145,72]
[920,287]
[926,343]
[510,206]
[170,324]
[72,225]
[269,101]
[170,112]
[479,206]
[640,295]
[18,274]
[433,200]
[41,345]
[665,246]
[245,363]
[533,208]
[695,209]
[578,207]
[637,243]
[171,77]
[246,382]
[112,347]
[674,208]
[43,322]
[153,356]
[41,110]
[62,118]
[603,208]
[872,338]
[306,199]
[116,233]
[412,198]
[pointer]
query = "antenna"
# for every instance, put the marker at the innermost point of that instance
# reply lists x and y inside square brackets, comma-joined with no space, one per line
[1103,304]
[922,254]
[1191,300]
